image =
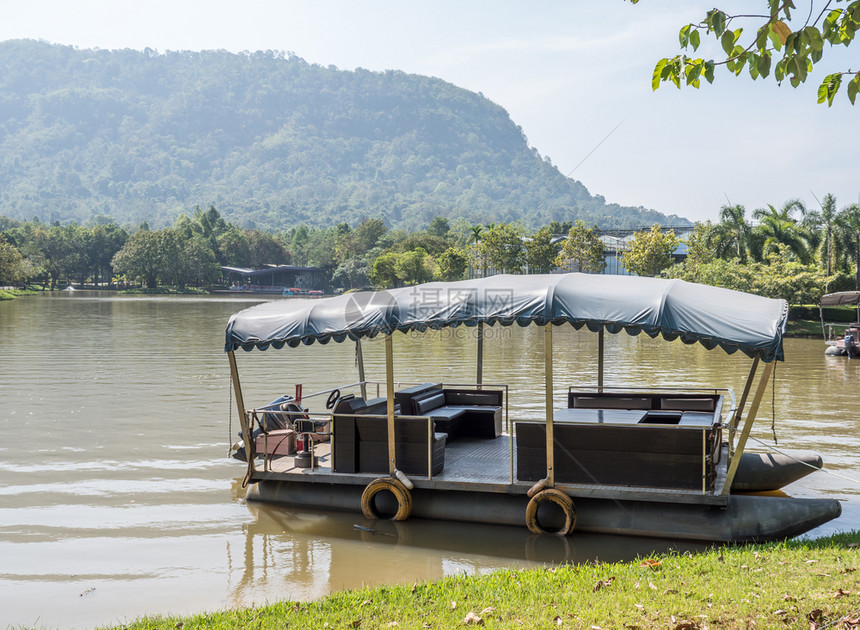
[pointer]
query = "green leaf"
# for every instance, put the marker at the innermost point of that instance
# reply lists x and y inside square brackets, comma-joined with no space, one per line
[694,39]
[727,41]
[816,42]
[830,30]
[684,35]
[764,64]
[719,22]
[779,70]
[658,73]
[753,68]
[822,90]
[833,87]
[709,71]
[761,38]
[853,88]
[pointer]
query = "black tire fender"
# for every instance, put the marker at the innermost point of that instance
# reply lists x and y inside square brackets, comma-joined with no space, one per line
[551,495]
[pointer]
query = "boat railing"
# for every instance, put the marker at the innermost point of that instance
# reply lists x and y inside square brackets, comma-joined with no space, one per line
[507,427]
[253,416]
[729,415]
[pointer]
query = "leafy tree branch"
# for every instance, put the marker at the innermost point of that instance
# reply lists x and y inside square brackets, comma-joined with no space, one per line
[775,43]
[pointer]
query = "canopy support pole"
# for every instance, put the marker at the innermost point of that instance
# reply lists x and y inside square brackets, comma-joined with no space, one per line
[479,379]
[389,391]
[735,420]
[240,404]
[359,359]
[600,361]
[550,452]
[745,433]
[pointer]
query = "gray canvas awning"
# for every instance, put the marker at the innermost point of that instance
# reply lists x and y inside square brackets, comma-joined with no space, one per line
[840,299]
[672,308]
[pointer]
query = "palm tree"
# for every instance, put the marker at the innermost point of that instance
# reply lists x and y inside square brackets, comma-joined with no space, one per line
[780,230]
[732,233]
[848,226]
[823,224]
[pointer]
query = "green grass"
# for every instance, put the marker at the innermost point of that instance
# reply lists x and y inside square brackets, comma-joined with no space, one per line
[805,328]
[11,294]
[796,584]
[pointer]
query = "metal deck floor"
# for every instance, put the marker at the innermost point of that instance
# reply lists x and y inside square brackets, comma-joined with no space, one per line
[466,460]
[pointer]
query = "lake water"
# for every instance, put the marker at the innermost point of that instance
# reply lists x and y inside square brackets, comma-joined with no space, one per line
[117,498]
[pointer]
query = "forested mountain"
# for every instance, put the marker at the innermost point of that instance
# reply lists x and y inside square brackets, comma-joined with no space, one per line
[268,138]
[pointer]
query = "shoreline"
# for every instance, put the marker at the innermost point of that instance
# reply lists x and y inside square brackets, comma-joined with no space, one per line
[796,583]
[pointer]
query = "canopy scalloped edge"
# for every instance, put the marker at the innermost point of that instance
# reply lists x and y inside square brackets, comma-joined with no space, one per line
[673,309]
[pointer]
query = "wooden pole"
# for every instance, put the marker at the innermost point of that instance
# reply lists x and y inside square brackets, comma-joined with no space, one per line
[550,451]
[480,376]
[600,361]
[240,404]
[359,358]
[389,389]
[745,433]
[735,420]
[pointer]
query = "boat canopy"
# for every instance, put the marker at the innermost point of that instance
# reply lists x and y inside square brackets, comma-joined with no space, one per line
[840,299]
[672,308]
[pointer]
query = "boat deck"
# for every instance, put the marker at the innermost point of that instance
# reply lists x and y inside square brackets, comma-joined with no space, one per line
[480,465]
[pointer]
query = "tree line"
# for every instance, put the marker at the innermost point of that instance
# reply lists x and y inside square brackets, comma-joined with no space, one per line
[792,252]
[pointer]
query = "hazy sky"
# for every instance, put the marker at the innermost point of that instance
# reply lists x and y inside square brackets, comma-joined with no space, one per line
[567,71]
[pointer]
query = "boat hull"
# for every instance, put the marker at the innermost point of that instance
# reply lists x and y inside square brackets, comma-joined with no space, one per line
[744,518]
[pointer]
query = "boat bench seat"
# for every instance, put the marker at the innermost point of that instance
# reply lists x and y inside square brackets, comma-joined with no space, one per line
[643,456]
[461,412]
[361,443]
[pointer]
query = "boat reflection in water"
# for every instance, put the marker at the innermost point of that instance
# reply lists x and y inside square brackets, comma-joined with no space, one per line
[300,555]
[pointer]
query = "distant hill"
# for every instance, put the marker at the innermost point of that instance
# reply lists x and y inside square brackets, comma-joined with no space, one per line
[271,140]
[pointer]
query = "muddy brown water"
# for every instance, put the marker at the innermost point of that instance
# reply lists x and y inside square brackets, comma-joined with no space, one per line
[117,498]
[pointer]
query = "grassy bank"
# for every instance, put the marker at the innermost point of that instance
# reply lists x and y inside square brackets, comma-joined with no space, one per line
[797,584]
[806,328]
[11,294]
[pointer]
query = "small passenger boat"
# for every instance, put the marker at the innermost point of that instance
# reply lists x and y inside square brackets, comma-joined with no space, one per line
[642,461]
[848,343]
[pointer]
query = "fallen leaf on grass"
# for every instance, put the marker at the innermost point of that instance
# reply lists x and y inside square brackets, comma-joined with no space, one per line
[848,570]
[651,563]
[814,617]
[602,583]
[367,602]
[651,586]
[487,610]
[472,619]
[790,598]
[639,607]
[683,624]
[453,605]
[780,612]
[356,623]
[841,593]
[393,624]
